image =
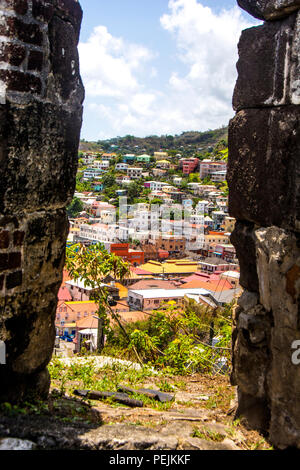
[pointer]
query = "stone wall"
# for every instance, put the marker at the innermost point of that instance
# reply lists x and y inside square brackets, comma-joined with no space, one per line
[41,97]
[264,197]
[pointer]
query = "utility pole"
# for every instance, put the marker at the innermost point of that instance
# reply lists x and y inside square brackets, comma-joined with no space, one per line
[100,329]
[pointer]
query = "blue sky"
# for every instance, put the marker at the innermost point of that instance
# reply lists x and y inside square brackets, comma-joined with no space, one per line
[158,67]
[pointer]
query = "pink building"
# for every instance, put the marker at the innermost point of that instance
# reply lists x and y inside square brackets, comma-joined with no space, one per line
[208,167]
[152,299]
[189,165]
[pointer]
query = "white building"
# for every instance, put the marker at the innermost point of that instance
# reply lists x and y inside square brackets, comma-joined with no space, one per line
[177,180]
[102,165]
[134,172]
[157,185]
[87,159]
[121,166]
[92,173]
[144,220]
[218,176]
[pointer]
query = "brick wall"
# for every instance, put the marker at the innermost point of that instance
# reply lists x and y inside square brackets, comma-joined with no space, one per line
[41,97]
[26,54]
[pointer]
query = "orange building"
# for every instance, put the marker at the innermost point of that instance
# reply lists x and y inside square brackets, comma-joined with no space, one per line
[132,256]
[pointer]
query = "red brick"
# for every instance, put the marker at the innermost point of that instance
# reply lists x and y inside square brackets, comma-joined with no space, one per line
[18,81]
[18,238]
[3,261]
[35,60]
[4,239]
[14,280]
[16,28]
[12,54]
[19,6]
[14,260]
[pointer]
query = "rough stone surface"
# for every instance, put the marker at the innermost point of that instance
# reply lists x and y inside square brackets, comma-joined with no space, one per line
[11,443]
[41,96]
[264,187]
[46,433]
[243,239]
[269,65]
[264,166]
[269,9]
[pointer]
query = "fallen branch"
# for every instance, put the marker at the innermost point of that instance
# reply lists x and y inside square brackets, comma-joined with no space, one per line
[122,398]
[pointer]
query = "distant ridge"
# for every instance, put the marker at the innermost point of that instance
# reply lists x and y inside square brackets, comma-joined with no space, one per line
[192,140]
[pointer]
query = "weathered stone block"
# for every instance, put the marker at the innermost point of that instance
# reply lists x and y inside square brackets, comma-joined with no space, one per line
[64,79]
[269,9]
[267,54]
[4,239]
[71,11]
[278,265]
[248,300]
[14,280]
[42,11]
[244,242]
[39,152]
[19,81]
[25,32]
[255,410]
[35,60]
[284,386]
[44,248]
[13,54]
[18,238]
[250,365]
[264,166]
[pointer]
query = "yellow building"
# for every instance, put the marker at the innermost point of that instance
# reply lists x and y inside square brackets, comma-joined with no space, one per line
[160,155]
[164,164]
[172,267]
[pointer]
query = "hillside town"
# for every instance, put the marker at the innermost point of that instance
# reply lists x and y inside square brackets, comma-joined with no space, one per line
[167,216]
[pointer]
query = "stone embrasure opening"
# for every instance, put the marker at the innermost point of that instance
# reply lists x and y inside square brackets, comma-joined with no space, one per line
[41,97]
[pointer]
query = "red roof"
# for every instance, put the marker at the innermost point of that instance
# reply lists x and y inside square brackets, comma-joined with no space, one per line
[154,284]
[214,286]
[64,294]
[197,276]
[139,270]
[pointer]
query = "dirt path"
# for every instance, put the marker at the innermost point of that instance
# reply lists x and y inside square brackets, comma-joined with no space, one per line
[200,417]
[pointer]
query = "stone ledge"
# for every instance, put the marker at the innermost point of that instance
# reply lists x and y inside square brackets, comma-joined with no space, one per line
[269,9]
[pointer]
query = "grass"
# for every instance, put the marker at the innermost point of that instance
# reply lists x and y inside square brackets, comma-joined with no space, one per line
[66,408]
[208,435]
[108,378]
[165,386]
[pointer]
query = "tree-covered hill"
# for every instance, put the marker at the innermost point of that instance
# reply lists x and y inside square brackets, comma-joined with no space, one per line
[185,143]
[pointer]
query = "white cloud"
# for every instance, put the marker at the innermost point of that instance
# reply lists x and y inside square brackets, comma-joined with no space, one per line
[207,45]
[109,65]
[198,93]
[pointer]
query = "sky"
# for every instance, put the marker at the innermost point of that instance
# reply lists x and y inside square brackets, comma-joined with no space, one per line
[156,67]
